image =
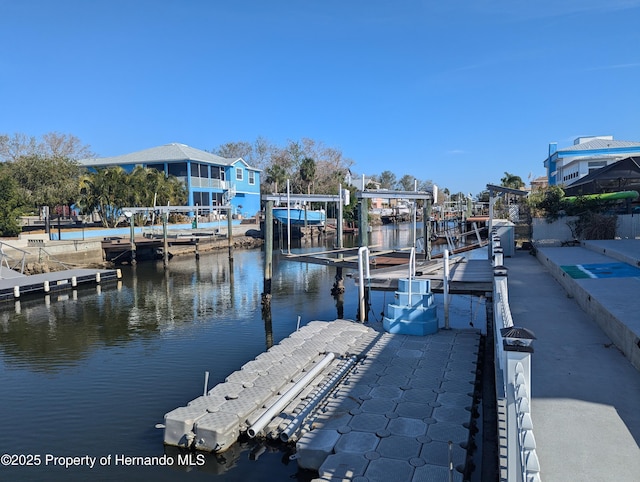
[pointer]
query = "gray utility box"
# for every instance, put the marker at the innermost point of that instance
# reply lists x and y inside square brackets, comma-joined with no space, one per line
[506,230]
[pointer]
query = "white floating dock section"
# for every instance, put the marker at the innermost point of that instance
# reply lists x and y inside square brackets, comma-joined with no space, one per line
[264,396]
[385,407]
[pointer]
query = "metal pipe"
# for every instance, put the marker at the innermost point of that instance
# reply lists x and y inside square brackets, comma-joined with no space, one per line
[293,426]
[206,383]
[286,398]
[412,271]
[361,269]
[445,283]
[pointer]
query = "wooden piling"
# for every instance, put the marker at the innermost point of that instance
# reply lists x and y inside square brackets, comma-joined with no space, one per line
[165,241]
[268,254]
[230,235]
[426,219]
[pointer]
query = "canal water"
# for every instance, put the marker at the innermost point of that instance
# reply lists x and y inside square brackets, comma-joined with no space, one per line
[85,376]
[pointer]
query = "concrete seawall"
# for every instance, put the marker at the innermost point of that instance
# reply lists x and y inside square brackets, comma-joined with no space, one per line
[42,254]
[612,302]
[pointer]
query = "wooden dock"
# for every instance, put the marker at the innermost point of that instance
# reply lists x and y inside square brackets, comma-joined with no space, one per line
[119,250]
[17,285]
[388,266]
[465,276]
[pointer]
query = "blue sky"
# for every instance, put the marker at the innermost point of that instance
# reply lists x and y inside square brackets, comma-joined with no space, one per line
[457,92]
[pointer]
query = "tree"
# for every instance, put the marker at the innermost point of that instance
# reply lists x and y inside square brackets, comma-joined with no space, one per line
[275,177]
[292,162]
[484,196]
[387,180]
[10,204]
[52,145]
[150,187]
[512,181]
[407,183]
[46,181]
[308,172]
[105,192]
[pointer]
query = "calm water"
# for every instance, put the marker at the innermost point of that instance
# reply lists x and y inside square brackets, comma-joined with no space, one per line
[92,372]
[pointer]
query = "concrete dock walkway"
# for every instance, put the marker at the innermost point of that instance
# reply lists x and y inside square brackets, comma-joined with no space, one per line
[585,392]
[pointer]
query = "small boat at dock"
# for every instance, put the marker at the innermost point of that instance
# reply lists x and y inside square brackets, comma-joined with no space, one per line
[300,216]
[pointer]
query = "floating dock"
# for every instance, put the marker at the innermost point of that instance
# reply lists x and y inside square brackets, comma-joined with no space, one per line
[13,284]
[354,400]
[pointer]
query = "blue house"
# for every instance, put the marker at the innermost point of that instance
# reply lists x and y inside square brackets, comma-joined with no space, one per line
[587,154]
[210,180]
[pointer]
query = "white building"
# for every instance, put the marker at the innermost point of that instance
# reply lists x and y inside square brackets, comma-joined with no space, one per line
[565,166]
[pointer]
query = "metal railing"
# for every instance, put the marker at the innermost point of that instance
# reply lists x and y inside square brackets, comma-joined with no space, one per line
[513,382]
[5,258]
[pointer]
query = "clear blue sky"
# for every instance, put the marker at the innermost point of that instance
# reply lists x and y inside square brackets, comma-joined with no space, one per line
[457,92]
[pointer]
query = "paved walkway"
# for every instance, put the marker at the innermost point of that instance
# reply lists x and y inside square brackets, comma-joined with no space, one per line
[585,392]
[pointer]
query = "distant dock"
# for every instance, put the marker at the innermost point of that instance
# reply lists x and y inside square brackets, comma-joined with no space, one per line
[13,285]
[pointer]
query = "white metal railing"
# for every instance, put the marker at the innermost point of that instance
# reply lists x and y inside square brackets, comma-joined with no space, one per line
[209,183]
[513,385]
[5,258]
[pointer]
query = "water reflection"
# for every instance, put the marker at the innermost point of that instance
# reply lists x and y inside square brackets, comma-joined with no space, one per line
[94,370]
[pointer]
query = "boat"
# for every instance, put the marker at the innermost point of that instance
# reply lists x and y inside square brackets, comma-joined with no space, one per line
[299,216]
[607,196]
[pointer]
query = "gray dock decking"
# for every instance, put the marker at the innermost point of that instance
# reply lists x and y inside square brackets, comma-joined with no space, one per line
[13,285]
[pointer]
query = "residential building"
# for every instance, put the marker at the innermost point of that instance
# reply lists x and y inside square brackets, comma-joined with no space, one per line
[587,154]
[210,180]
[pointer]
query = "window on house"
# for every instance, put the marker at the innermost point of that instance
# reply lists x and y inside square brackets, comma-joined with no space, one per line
[239,174]
[178,169]
[252,177]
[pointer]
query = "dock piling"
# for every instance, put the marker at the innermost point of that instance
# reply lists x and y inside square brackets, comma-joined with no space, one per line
[268,254]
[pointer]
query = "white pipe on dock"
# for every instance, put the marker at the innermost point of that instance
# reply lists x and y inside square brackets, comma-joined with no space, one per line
[16,291]
[445,283]
[361,269]
[412,270]
[289,395]
[295,424]
[206,383]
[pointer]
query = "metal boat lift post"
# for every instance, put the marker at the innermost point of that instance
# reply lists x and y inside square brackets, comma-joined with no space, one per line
[386,194]
[288,198]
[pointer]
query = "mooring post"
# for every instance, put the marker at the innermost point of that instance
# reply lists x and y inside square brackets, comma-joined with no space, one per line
[363,223]
[268,253]
[230,234]
[426,219]
[165,241]
[340,221]
[132,240]
[338,285]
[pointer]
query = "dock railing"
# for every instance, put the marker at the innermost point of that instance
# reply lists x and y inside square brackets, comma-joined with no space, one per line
[518,457]
[5,258]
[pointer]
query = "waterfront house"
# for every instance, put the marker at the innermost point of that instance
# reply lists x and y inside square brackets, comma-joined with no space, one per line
[210,180]
[567,165]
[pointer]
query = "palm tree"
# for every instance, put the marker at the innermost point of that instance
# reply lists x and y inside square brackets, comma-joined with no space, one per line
[308,172]
[512,181]
[106,192]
